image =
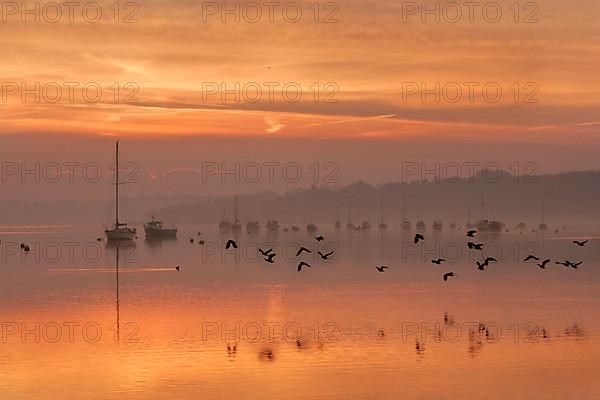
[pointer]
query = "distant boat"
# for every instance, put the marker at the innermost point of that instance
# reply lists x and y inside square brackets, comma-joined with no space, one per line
[272,225]
[252,226]
[338,223]
[224,224]
[543,226]
[120,231]
[311,227]
[405,225]
[350,225]
[236,226]
[420,225]
[437,225]
[382,225]
[155,230]
[469,223]
[486,225]
[365,225]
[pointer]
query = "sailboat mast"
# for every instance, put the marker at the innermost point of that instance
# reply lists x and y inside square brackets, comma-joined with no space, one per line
[381,206]
[543,211]
[469,212]
[235,208]
[482,207]
[117,184]
[350,211]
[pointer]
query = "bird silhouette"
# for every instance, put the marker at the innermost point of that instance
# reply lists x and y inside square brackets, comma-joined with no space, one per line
[326,255]
[264,253]
[177,268]
[449,275]
[418,237]
[544,263]
[192,240]
[481,265]
[269,258]
[531,257]
[439,261]
[581,244]
[471,233]
[98,239]
[319,238]
[231,243]
[303,264]
[381,268]
[563,263]
[490,259]
[302,249]
[475,246]
[26,248]
[575,265]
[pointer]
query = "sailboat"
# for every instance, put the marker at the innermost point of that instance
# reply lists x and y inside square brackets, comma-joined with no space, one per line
[350,225]
[485,225]
[224,224]
[469,223]
[120,231]
[236,225]
[543,226]
[382,225]
[406,225]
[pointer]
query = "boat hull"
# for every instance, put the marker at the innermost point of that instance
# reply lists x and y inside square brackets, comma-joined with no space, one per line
[120,234]
[160,233]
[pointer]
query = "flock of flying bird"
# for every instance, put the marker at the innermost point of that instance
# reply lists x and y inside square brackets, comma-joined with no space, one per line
[269,255]
[481,265]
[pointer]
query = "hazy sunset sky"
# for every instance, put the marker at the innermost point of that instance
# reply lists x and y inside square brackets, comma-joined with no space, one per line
[369,55]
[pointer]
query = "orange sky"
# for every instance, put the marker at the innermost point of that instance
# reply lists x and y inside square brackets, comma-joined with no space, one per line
[369,55]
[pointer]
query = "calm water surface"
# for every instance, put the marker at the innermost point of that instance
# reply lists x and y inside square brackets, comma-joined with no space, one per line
[230,325]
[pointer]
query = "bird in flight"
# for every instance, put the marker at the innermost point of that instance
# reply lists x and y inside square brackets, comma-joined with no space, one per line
[471,233]
[449,275]
[531,257]
[544,263]
[439,261]
[381,268]
[418,237]
[231,243]
[326,255]
[575,265]
[177,268]
[303,264]
[264,253]
[481,265]
[269,258]
[319,238]
[581,244]
[563,263]
[475,246]
[302,249]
